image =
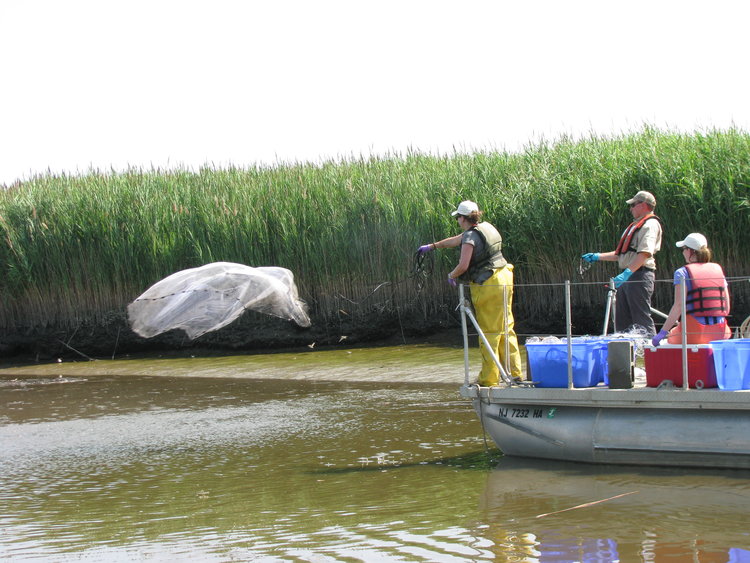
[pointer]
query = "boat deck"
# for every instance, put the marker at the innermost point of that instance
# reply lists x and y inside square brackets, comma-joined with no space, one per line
[602,396]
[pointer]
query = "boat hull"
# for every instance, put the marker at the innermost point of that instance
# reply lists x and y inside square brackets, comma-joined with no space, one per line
[665,431]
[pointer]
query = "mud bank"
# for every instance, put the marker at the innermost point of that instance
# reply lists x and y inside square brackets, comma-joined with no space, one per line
[254,333]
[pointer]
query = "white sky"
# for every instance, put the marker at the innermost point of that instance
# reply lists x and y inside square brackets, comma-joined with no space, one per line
[111,84]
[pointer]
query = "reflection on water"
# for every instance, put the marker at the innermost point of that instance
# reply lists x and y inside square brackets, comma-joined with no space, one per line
[568,511]
[132,467]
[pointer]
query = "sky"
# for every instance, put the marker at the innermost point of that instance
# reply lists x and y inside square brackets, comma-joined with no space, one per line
[110,85]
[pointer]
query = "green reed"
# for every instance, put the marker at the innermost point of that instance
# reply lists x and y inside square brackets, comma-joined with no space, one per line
[75,249]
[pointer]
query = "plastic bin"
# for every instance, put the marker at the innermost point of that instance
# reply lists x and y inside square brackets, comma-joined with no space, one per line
[732,363]
[665,362]
[548,363]
[601,364]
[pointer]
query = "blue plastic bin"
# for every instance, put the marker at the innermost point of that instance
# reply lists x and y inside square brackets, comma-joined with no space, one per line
[601,357]
[548,363]
[732,363]
[601,362]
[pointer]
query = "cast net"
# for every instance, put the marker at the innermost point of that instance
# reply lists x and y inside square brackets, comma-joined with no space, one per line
[207,298]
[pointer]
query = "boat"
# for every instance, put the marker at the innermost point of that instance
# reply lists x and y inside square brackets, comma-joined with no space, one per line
[633,425]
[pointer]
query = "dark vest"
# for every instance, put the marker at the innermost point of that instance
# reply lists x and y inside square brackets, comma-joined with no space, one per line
[490,258]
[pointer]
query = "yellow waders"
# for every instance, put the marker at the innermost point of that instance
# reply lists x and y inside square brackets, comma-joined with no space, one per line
[490,301]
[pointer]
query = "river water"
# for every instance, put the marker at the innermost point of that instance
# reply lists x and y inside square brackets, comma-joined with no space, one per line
[344,455]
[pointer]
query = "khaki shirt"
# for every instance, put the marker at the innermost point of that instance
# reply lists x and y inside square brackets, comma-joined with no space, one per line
[647,239]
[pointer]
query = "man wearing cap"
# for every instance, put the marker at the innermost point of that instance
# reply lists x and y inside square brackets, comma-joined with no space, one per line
[635,256]
[491,281]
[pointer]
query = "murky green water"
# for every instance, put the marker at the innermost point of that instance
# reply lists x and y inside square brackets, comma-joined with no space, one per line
[197,459]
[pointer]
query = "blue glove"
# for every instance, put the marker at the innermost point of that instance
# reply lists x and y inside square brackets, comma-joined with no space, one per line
[622,277]
[591,257]
[452,281]
[661,335]
[425,248]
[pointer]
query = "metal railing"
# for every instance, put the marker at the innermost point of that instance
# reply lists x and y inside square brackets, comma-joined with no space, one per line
[466,312]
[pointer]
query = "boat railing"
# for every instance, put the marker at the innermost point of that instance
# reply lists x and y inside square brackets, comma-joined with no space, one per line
[466,312]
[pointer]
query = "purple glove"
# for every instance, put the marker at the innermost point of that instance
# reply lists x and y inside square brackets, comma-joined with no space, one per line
[424,248]
[452,281]
[661,335]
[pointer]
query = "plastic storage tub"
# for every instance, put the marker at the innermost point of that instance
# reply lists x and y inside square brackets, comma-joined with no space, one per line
[601,359]
[548,363]
[732,363]
[665,363]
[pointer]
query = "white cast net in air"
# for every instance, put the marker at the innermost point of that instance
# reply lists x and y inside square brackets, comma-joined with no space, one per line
[207,298]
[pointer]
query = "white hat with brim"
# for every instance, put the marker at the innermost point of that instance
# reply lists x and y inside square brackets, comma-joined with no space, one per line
[696,241]
[465,208]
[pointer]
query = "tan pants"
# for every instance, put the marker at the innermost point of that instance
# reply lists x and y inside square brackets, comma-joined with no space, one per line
[491,300]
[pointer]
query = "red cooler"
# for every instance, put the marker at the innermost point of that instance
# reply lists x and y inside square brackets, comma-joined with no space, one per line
[665,362]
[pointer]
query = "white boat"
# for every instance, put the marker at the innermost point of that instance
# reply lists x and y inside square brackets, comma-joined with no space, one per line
[639,425]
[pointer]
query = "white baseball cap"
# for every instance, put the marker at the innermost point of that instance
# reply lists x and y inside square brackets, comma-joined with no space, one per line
[696,241]
[466,208]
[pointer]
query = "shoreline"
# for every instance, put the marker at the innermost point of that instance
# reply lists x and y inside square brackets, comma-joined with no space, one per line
[447,337]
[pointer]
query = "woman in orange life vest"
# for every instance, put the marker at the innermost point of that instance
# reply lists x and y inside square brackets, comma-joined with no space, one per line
[707,300]
[635,252]
[491,281]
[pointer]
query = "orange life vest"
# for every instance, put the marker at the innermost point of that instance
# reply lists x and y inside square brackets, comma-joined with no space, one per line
[707,296]
[627,236]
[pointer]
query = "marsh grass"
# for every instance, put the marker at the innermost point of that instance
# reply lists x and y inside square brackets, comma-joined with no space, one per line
[75,249]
